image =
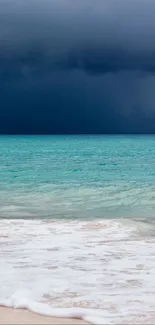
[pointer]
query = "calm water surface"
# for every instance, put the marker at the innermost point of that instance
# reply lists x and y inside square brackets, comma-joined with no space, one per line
[90,176]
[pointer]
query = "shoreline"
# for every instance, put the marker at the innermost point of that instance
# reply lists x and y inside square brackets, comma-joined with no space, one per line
[9,316]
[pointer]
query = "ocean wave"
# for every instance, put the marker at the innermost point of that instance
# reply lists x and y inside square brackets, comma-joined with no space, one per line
[99,270]
[88,315]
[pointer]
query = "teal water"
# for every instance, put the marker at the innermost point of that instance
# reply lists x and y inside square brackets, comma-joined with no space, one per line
[85,230]
[77,176]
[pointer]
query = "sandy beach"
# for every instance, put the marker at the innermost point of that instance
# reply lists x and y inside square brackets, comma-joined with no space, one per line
[21,316]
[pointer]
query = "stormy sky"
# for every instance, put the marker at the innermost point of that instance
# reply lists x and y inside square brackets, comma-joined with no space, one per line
[77,66]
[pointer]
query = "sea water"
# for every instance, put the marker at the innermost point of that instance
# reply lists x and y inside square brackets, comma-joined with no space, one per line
[77,225]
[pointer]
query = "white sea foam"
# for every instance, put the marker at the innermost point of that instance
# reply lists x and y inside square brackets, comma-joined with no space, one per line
[100,271]
[90,316]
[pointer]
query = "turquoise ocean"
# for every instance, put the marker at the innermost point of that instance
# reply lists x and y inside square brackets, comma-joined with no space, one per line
[77,225]
[77,177]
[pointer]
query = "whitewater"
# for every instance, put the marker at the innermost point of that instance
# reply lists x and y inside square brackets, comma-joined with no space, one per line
[77,227]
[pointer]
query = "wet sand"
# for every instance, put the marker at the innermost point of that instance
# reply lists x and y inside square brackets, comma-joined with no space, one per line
[11,316]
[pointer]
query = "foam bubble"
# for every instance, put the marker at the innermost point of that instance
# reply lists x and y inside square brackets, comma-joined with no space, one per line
[101,271]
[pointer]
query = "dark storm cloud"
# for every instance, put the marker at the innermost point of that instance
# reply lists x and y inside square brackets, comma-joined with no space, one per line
[77,66]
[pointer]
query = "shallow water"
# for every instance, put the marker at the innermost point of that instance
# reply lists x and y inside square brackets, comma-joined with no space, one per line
[104,266]
[77,227]
[90,176]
